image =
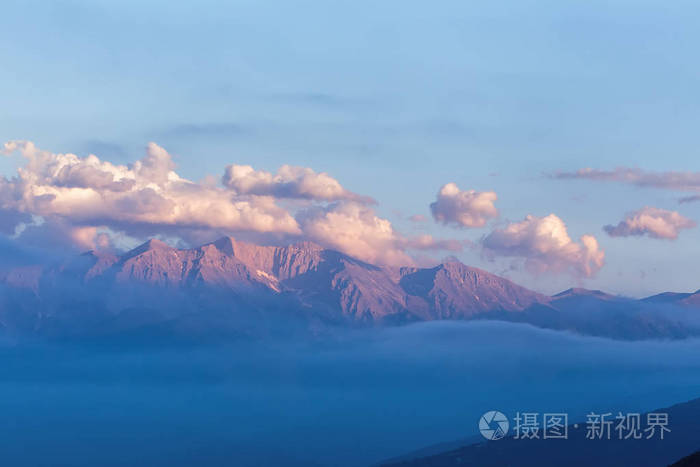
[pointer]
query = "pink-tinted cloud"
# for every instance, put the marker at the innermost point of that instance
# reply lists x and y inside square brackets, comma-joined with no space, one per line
[86,201]
[652,222]
[288,182]
[146,195]
[466,208]
[356,230]
[545,246]
[56,233]
[90,238]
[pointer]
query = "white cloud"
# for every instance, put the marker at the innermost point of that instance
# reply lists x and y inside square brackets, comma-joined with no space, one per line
[90,238]
[8,148]
[463,208]
[355,229]
[288,182]
[545,245]
[57,234]
[143,197]
[650,221]
[85,200]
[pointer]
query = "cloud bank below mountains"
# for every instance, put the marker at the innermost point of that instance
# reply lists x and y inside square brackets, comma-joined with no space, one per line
[309,401]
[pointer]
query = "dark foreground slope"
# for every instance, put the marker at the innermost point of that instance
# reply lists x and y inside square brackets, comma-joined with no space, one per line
[577,450]
[692,460]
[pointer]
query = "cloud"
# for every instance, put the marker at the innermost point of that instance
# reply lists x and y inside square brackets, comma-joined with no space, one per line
[89,203]
[650,221]
[355,229]
[417,218]
[57,234]
[689,199]
[144,197]
[677,181]
[10,219]
[545,245]
[89,238]
[427,242]
[9,147]
[463,208]
[289,182]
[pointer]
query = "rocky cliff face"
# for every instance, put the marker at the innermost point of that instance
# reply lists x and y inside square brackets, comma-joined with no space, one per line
[454,291]
[316,277]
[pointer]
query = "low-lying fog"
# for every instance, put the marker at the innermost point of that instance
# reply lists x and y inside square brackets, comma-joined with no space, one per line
[352,401]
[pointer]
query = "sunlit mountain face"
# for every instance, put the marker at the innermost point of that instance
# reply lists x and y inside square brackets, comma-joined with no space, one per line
[247,289]
[348,234]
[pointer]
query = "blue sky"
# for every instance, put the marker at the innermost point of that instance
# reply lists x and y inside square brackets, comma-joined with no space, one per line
[393,99]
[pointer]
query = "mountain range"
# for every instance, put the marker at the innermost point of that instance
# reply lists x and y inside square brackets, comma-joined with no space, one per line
[230,286]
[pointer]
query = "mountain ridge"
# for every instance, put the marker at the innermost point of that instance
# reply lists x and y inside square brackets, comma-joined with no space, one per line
[242,280]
